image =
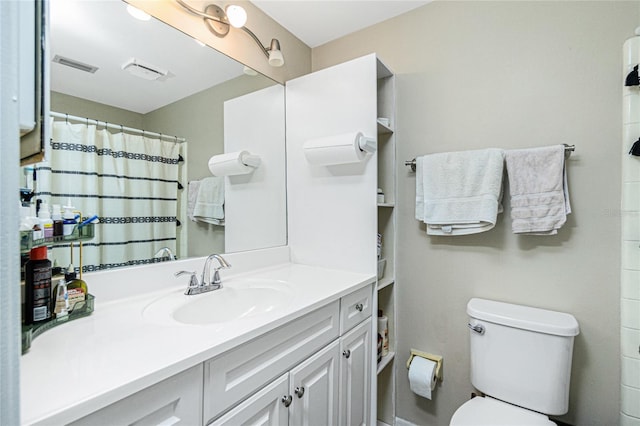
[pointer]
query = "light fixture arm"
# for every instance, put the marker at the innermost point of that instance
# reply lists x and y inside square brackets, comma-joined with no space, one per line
[258,42]
[200,14]
[219,25]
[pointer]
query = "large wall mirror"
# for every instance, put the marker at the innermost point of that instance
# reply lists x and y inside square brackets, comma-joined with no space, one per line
[175,86]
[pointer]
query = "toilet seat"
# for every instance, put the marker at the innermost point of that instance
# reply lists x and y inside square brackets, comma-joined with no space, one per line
[489,411]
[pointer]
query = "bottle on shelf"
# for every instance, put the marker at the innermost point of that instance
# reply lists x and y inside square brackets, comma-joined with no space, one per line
[76,288]
[56,216]
[37,287]
[69,219]
[46,223]
[383,331]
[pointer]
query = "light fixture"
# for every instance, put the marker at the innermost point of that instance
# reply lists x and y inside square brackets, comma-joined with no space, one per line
[137,13]
[218,21]
[237,15]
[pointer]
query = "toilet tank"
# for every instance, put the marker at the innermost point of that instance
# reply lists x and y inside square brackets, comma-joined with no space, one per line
[522,355]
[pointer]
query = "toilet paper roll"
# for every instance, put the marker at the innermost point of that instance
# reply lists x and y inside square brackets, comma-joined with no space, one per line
[229,164]
[337,149]
[422,376]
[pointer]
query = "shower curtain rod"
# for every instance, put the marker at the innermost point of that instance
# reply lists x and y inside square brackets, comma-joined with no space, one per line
[115,126]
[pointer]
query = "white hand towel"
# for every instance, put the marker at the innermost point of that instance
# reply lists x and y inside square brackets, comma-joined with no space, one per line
[459,193]
[209,205]
[539,190]
[192,197]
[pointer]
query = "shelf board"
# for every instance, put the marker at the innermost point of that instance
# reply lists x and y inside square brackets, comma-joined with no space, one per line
[390,205]
[385,361]
[384,282]
[381,423]
[384,129]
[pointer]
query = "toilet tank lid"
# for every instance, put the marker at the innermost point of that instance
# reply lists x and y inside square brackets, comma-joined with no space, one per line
[523,317]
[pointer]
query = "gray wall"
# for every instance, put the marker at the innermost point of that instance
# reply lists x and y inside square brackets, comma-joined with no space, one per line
[508,74]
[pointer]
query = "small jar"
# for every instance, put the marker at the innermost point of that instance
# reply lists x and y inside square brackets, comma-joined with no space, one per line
[380,196]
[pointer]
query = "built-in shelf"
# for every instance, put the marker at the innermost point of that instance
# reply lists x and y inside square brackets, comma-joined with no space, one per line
[381,423]
[383,129]
[389,205]
[384,282]
[386,360]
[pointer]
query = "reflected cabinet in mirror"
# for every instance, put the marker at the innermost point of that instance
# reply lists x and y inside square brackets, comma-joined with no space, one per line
[112,75]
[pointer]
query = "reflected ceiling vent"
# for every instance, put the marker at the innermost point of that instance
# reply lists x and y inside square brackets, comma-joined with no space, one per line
[74,64]
[144,70]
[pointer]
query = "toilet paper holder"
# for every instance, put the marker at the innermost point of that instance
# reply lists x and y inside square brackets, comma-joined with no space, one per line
[435,358]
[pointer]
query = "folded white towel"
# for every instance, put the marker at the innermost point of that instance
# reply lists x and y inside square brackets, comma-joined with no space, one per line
[459,193]
[539,190]
[192,197]
[209,203]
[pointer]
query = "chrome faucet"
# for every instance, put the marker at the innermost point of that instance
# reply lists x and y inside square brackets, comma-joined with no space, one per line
[215,281]
[165,253]
[206,284]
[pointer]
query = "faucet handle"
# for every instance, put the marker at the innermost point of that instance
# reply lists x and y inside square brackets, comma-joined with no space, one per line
[193,280]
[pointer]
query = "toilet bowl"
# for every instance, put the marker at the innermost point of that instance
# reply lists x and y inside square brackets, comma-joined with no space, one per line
[521,360]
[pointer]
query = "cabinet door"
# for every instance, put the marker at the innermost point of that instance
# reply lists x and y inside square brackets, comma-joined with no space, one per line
[263,408]
[355,376]
[174,401]
[313,386]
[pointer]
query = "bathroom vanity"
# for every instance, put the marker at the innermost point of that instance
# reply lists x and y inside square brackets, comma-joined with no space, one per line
[300,350]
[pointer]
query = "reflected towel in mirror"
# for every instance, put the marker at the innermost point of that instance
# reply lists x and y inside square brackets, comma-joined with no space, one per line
[206,200]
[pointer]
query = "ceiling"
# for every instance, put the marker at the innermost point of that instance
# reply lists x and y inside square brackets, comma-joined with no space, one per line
[101,33]
[317,22]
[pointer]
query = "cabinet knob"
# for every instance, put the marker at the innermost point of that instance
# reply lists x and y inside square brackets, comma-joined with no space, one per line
[286,400]
[359,307]
[346,353]
[299,391]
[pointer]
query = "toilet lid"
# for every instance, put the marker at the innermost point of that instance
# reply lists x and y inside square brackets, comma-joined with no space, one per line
[491,412]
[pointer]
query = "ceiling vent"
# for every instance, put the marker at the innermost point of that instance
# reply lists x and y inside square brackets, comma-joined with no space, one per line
[144,70]
[74,64]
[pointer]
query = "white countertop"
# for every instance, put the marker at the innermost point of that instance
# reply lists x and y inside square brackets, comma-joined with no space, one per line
[79,367]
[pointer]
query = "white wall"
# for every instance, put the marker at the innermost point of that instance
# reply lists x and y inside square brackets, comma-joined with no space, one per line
[256,203]
[508,74]
[630,275]
[327,205]
[9,248]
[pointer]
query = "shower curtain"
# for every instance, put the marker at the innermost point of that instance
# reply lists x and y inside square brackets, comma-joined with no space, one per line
[129,181]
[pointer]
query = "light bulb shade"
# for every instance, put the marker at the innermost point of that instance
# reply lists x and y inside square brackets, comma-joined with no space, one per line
[276,59]
[236,15]
[275,54]
[137,13]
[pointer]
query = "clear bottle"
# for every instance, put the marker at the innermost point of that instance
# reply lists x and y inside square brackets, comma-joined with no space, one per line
[76,288]
[61,303]
[46,223]
[37,287]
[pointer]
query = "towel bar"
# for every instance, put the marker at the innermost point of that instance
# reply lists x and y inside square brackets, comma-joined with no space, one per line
[568,149]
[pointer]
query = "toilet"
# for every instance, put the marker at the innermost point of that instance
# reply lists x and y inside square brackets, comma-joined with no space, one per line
[521,362]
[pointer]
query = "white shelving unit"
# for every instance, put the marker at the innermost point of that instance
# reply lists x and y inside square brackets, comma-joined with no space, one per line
[386,285]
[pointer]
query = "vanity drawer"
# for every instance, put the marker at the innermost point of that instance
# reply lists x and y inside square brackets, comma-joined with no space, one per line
[236,374]
[354,308]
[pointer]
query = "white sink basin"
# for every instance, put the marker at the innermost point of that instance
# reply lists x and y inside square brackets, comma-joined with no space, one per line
[238,298]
